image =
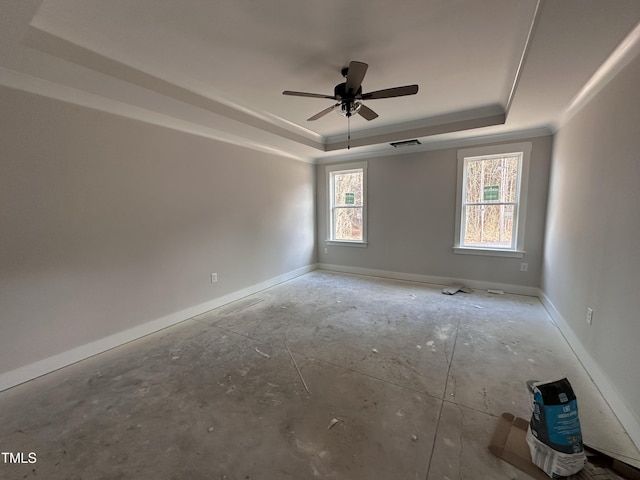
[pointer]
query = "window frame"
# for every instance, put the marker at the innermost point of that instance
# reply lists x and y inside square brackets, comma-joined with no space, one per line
[331,171]
[473,154]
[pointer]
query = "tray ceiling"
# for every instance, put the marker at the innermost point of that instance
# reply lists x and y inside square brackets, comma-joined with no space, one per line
[219,68]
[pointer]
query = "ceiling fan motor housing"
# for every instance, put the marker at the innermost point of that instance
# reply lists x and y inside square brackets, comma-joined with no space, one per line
[341,93]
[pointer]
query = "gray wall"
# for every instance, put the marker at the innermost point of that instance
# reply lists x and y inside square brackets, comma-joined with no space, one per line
[412,202]
[593,234]
[108,223]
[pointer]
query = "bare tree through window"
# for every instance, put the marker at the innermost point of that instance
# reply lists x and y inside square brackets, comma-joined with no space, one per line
[490,200]
[347,205]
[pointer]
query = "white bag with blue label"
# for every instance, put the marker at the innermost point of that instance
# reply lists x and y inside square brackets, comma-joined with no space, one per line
[554,435]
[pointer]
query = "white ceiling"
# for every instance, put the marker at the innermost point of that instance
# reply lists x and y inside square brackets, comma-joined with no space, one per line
[485,68]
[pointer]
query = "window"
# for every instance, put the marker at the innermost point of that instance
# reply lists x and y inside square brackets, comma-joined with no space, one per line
[491,206]
[347,203]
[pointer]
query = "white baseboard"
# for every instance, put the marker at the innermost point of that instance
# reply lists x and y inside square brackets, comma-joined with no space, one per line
[48,365]
[617,404]
[629,421]
[55,362]
[433,280]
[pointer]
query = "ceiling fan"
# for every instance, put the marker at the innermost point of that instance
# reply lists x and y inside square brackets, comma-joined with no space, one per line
[349,94]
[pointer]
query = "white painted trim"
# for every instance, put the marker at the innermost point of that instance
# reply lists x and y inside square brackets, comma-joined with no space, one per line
[38,86]
[56,362]
[523,150]
[201,96]
[432,280]
[628,420]
[439,142]
[345,243]
[488,252]
[628,49]
[346,167]
[535,20]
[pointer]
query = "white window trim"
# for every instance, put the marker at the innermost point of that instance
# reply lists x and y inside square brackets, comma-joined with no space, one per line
[342,168]
[519,228]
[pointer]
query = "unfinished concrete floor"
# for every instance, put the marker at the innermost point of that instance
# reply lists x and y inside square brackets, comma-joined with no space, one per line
[415,379]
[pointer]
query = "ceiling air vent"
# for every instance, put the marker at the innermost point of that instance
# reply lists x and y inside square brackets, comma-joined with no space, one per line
[405,143]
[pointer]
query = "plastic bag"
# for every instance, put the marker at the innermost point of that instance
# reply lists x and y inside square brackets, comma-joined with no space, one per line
[554,435]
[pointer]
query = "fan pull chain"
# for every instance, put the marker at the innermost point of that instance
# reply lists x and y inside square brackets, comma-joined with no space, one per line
[349,132]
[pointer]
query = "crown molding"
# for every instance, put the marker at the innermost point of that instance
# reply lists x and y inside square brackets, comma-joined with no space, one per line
[59,47]
[38,86]
[436,143]
[628,49]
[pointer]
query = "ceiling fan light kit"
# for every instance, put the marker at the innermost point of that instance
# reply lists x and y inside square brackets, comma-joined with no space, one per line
[346,109]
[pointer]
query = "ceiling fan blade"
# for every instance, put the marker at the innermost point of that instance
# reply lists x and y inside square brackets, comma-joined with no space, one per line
[305,94]
[322,113]
[367,113]
[355,75]
[391,92]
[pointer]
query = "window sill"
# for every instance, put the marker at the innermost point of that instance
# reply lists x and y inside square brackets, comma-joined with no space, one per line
[489,252]
[346,243]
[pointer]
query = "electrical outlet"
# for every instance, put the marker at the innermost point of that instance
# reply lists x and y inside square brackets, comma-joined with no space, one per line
[326,250]
[524,267]
[589,315]
[214,277]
